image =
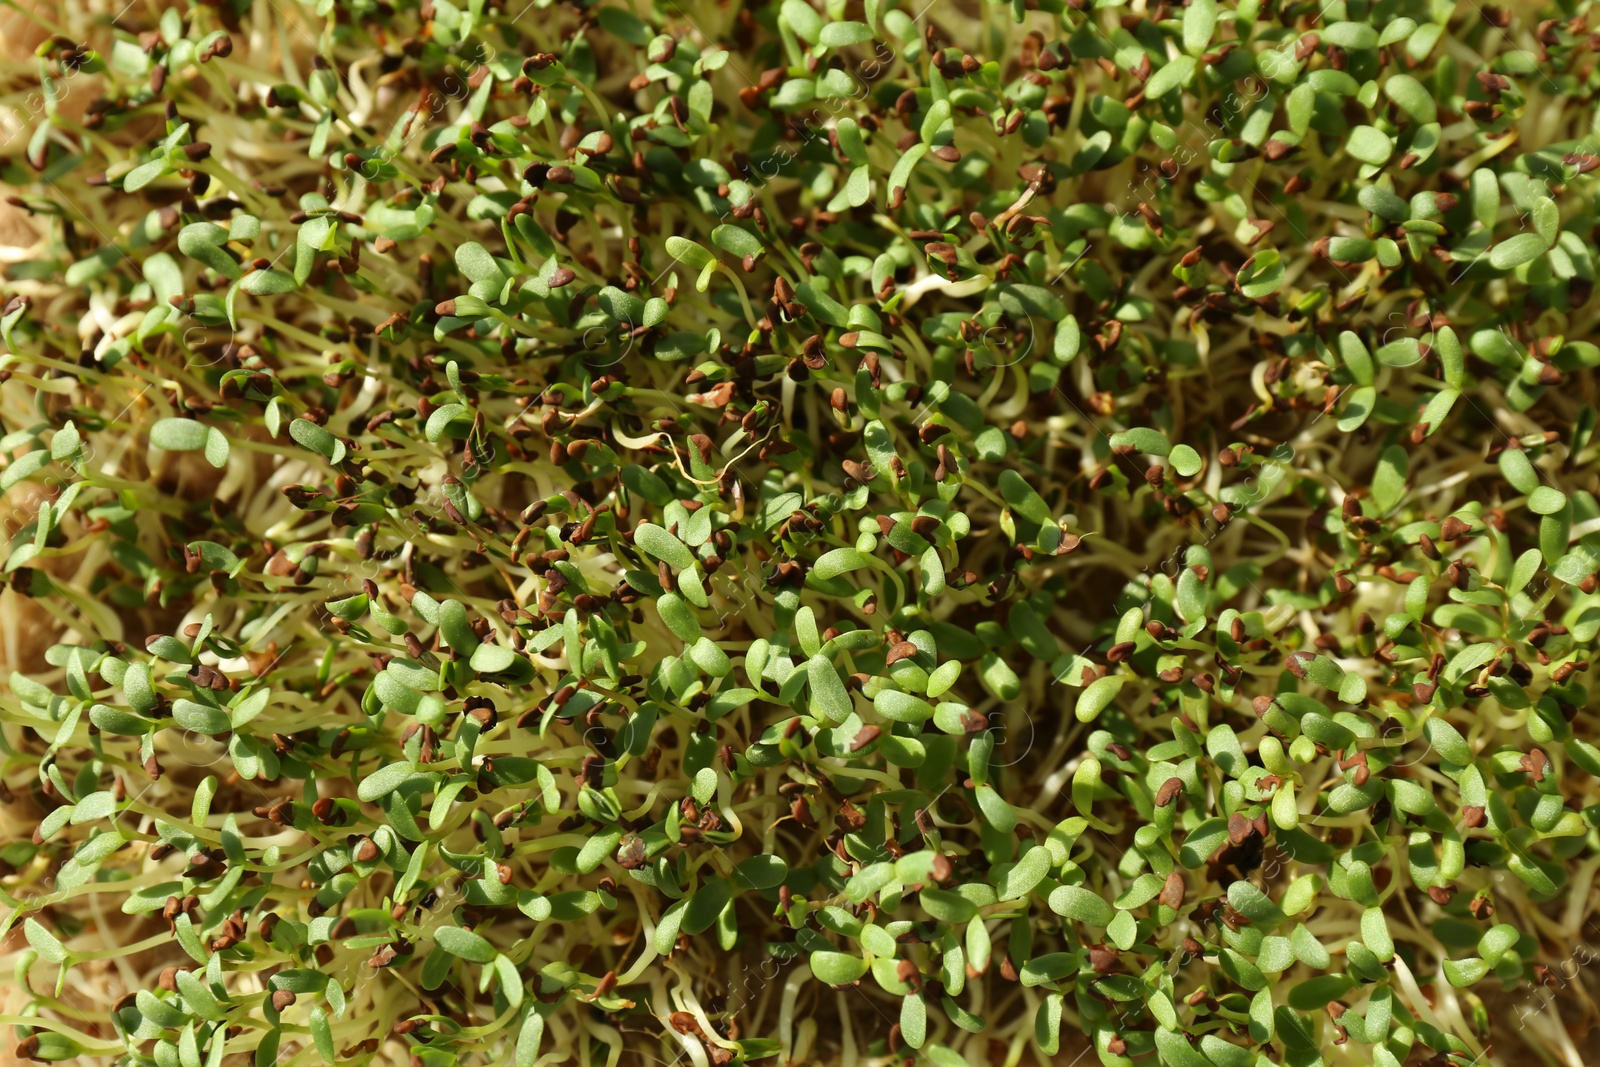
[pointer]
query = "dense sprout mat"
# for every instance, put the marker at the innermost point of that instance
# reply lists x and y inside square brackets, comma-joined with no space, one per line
[865,534]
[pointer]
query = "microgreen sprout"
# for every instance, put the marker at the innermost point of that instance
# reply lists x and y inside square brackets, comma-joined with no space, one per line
[805,532]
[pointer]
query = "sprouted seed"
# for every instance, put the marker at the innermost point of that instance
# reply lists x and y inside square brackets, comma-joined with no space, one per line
[864,534]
